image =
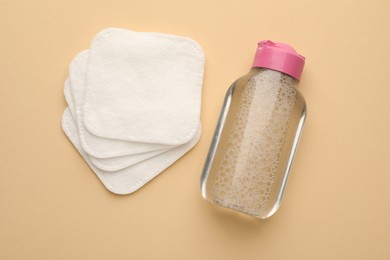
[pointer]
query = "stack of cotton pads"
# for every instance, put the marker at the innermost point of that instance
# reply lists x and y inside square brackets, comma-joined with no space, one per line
[134,104]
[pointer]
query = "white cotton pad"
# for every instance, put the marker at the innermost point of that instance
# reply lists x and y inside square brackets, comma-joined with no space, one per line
[118,163]
[69,98]
[96,146]
[112,163]
[143,87]
[132,178]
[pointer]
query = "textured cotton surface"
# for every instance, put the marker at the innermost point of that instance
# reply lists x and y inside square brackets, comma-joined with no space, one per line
[143,87]
[132,178]
[96,146]
[112,163]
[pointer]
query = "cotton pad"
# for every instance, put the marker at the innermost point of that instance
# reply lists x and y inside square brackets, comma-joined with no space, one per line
[112,163]
[118,163]
[143,87]
[132,178]
[69,98]
[96,146]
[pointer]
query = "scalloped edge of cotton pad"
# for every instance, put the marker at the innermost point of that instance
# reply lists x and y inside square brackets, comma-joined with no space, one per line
[131,179]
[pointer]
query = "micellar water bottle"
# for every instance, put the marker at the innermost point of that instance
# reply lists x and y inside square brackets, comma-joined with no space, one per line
[257,134]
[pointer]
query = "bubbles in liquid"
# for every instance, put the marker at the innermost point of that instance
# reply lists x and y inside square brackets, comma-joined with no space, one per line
[245,176]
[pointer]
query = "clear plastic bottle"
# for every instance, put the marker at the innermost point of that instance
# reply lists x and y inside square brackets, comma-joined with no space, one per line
[257,134]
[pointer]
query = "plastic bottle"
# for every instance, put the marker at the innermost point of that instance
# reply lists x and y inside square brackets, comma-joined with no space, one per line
[257,134]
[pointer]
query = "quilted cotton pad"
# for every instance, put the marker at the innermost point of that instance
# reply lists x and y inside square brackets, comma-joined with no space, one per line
[132,178]
[143,87]
[94,145]
[112,163]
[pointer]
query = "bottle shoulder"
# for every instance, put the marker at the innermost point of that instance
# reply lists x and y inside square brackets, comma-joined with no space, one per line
[260,78]
[266,82]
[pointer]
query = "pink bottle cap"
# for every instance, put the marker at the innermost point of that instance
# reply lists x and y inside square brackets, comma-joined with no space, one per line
[279,56]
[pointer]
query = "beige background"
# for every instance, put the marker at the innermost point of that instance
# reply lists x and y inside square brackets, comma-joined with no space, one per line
[337,201]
